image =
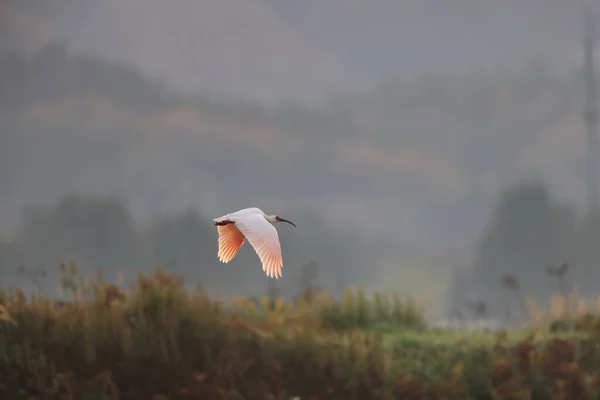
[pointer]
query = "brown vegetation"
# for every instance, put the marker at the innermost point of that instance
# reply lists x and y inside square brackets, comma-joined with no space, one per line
[163,341]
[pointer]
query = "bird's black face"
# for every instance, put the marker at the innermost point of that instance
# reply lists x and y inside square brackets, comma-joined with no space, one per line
[279,219]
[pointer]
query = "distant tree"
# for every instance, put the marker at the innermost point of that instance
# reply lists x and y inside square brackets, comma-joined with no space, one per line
[273,292]
[528,230]
[183,237]
[586,258]
[307,281]
[98,233]
[559,273]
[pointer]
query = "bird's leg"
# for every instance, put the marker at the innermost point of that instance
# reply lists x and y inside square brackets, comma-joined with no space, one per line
[223,223]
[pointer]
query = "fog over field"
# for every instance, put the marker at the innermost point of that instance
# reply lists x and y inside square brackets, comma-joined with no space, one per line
[428,147]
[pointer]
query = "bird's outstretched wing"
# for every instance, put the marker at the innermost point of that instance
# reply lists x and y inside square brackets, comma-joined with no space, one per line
[265,240]
[230,241]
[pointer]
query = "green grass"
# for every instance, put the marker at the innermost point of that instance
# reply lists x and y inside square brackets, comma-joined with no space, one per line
[475,338]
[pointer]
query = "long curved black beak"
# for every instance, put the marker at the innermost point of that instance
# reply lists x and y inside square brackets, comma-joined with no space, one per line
[285,220]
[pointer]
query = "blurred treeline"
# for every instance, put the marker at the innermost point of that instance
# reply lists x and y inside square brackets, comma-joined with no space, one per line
[529,236]
[76,123]
[430,152]
[100,234]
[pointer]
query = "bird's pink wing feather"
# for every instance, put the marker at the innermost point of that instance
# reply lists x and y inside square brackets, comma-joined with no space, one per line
[265,240]
[230,241]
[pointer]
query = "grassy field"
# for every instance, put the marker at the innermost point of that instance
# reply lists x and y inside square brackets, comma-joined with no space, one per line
[160,341]
[476,338]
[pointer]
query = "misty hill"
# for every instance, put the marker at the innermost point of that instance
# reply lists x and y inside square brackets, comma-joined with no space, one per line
[431,154]
[417,162]
[231,47]
[271,49]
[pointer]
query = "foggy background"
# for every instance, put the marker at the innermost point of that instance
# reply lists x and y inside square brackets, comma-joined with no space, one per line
[423,146]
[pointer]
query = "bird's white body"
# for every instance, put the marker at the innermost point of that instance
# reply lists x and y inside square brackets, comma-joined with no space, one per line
[254,225]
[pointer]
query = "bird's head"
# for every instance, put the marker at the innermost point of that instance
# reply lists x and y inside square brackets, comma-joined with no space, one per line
[277,218]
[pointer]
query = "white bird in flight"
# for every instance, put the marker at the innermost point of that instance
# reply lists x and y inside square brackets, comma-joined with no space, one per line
[254,225]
